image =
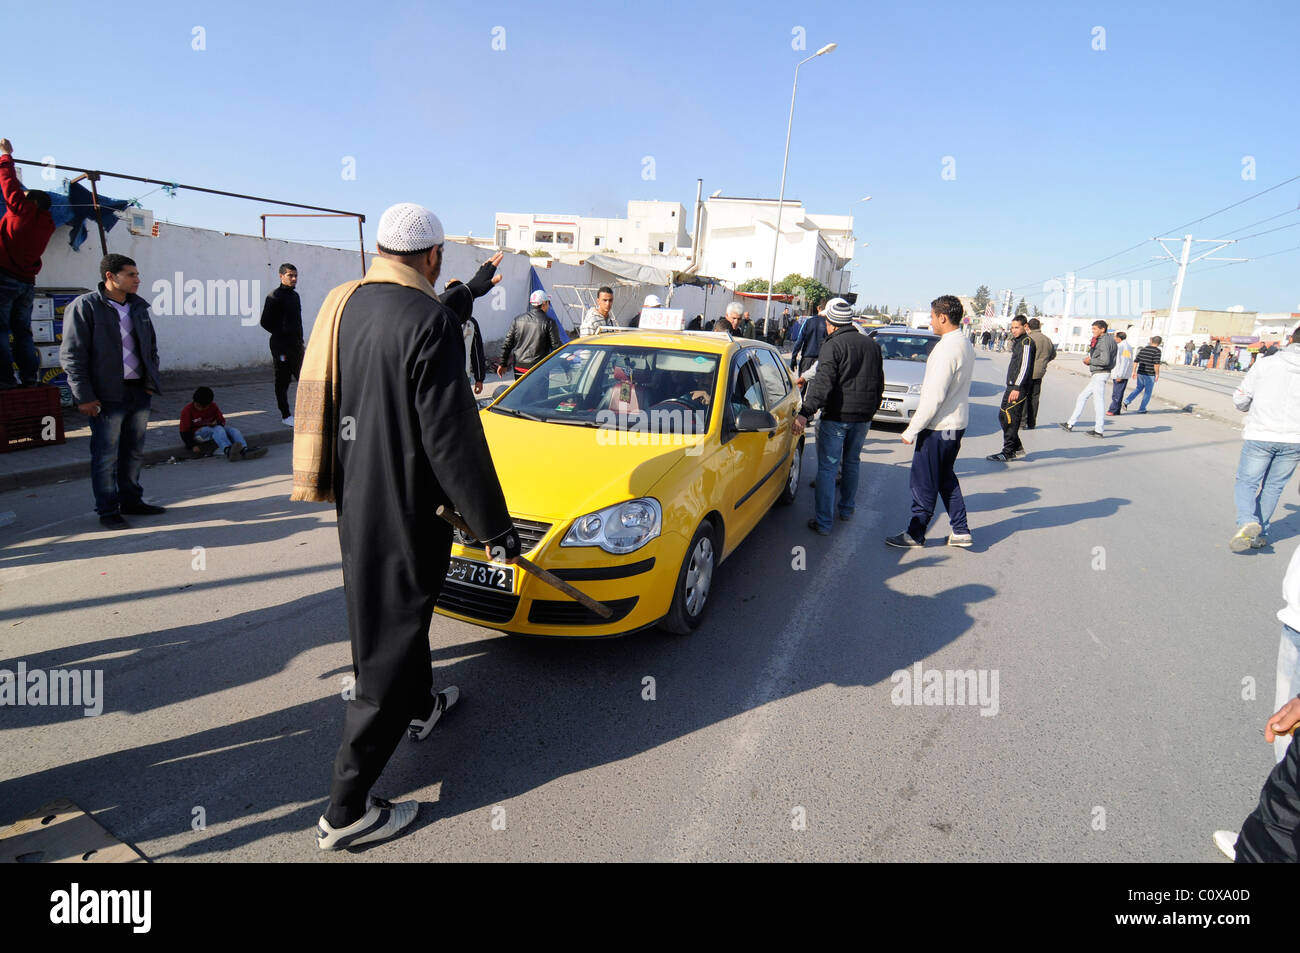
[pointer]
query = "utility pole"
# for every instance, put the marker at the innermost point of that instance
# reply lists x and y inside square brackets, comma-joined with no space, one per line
[1069,299]
[1183,262]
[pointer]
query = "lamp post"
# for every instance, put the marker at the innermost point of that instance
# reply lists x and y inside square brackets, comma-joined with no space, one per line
[780,202]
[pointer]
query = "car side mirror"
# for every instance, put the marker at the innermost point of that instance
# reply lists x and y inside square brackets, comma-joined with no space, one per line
[750,420]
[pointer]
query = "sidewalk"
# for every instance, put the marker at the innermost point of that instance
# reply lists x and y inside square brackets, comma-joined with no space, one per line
[1168,392]
[246,396]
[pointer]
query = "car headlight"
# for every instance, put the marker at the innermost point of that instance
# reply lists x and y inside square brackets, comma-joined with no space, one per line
[914,388]
[618,529]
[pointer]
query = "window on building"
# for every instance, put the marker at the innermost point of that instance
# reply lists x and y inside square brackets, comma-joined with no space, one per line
[1074,332]
[564,238]
[749,264]
[503,236]
[547,237]
[733,266]
[673,213]
[661,246]
[597,241]
[523,236]
[620,239]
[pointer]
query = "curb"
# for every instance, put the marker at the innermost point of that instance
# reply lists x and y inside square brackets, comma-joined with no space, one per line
[1192,408]
[69,471]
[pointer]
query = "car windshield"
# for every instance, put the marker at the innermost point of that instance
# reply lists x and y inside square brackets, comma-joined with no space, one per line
[618,386]
[906,347]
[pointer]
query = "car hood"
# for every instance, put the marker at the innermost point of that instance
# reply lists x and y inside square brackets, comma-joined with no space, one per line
[554,472]
[904,372]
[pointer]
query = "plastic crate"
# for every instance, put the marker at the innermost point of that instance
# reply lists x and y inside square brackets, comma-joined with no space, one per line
[26,414]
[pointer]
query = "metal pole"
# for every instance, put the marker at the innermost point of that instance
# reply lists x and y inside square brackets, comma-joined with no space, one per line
[1069,301]
[1178,282]
[780,202]
[361,239]
[94,197]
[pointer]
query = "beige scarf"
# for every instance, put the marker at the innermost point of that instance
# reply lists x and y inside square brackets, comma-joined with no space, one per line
[315,415]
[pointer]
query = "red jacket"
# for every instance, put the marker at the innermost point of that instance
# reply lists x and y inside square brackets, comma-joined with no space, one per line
[25,229]
[192,419]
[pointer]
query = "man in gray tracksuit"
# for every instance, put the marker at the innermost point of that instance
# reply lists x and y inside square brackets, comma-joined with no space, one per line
[1100,361]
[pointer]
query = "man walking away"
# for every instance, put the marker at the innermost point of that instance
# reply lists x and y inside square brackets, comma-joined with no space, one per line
[809,345]
[1270,450]
[1100,360]
[1120,375]
[25,230]
[531,337]
[387,355]
[847,389]
[282,316]
[1019,371]
[1044,354]
[600,316]
[110,354]
[937,427]
[1204,353]
[1148,372]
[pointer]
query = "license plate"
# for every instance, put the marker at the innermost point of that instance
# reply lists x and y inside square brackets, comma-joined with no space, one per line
[890,405]
[482,575]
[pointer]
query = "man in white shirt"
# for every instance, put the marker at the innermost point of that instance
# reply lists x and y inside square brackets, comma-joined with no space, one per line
[937,428]
[1119,377]
[602,315]
[1270,451]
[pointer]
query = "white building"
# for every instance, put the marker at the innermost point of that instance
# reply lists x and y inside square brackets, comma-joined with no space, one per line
[650,229]
[738,239]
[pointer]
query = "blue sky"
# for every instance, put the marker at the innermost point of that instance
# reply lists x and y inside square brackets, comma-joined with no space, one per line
[1063,154]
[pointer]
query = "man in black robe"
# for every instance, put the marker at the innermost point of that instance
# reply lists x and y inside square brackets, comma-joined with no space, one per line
[410,440]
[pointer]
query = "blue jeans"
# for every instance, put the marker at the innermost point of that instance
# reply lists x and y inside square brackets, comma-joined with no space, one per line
[1146,384]
[1262,475]
[16,318]
[837,441]
[117,449]
[223,435]
[933,478]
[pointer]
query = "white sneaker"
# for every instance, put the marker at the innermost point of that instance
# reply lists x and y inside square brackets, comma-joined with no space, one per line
[1226,841]
[288,421]
[381,821]
[419,728]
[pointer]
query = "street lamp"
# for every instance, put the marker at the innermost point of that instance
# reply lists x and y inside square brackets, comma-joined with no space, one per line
[780,202]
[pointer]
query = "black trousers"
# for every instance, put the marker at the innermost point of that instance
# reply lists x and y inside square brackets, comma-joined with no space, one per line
[1272,832]
[288,364]
[1031,405]
[1010,418]
[1116,395]
[933,478]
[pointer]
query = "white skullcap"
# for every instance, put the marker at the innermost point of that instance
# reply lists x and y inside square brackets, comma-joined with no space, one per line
[651,301]
[406,228]
[537,297]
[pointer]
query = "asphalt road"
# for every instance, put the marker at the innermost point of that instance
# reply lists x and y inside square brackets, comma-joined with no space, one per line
[1100,590]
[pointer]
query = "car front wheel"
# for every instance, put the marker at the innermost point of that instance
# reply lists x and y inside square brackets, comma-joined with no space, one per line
[791,489]
[693,583]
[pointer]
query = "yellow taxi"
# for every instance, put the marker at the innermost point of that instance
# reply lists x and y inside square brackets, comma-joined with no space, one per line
[633,462]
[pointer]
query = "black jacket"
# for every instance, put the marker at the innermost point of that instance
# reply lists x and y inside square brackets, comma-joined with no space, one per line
[282,316]
[531,337]
[850,378]
[1020,369]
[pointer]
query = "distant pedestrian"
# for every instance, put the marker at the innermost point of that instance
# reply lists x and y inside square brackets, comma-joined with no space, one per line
[1123,370]
[1147,363]
[1270,450]
[986,339]
[110,354]
[1044,354]
[25,230]
[729,323]
[696,323]
[601,315]
[282,316]
[1100,360]
[809,344]
[847,389]
[748,328]
[202,419]
[1020,369]
[936,429]
[532,336]
[1204,353]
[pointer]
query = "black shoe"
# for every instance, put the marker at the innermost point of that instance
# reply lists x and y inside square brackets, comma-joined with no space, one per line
[812,525]
[1000,457]
[903,541]
[114,521]
[1067,428]
[252,453]
[142,509]
[1092,433]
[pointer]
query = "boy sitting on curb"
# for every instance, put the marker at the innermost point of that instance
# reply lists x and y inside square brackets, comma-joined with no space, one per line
[201,419]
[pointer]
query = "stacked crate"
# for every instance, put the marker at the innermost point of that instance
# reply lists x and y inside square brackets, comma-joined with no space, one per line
[30,417]
[47,334]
